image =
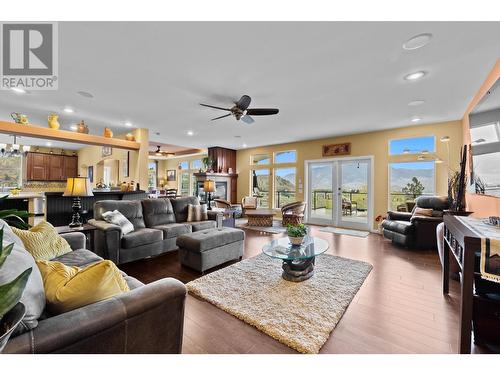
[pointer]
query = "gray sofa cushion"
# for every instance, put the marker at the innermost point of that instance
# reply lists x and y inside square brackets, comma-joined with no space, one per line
[180,206]
[18,261]
[174,230]
[157,212]
[203,225]
[209,239]
[132,210]
[79,258]
[140,237]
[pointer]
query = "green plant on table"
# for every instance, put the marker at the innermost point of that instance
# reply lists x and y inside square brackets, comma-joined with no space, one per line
[14,217]
[299,230]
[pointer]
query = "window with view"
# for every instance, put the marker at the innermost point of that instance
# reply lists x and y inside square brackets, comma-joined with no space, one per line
[261,159]
[10,172]
[152,175]
[260,186]
[284,186]
[409,180]
[285,157]
[412,145]
[196,164]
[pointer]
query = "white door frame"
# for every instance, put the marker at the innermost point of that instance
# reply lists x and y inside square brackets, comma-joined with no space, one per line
[371,188]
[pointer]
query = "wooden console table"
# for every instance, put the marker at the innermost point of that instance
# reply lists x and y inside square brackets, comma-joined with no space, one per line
[460,245]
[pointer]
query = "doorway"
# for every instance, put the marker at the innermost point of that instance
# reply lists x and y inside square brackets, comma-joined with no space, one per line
[339,192]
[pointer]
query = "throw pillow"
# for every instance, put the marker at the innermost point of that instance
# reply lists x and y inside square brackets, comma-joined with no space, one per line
[117,218]
[197,212]
[68,288]
[42,241]
[422,211]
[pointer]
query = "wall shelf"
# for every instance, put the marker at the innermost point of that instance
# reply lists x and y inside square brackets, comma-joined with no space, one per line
[65,136]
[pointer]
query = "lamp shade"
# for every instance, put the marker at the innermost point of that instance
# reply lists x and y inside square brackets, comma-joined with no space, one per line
[78,187]
[209,186]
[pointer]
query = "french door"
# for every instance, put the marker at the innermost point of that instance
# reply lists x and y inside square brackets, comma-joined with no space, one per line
[339,192]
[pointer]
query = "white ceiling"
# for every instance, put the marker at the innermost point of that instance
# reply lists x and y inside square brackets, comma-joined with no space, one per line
[327,78]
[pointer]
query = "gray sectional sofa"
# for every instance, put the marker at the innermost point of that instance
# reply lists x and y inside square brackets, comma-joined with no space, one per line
[147,319]
[157,224]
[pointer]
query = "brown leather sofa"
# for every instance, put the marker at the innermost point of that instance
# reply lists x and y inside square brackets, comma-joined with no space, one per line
[415,231]
[157,224]
[147,319]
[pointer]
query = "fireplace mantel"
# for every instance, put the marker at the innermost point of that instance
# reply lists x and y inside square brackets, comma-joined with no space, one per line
[213,174]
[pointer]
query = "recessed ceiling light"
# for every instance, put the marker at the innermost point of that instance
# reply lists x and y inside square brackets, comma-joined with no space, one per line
[85,94]
[73,127]
[415,103]
[244,145]
[416,119]
[418,41]
[190,132]
[18,90]
[68,110]
[415,75]
[129,124]
[48,144]
[438,161]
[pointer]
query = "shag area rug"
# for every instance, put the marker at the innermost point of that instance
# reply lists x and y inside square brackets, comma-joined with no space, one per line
[349,232]
[301,315]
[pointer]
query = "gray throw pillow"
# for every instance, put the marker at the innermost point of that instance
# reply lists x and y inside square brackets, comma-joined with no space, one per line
[19,260]
[117,218]
[197,212]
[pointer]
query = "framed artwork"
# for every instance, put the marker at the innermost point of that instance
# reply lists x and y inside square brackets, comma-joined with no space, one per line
[171,174]
[90,173]
[125,165]
[107,151]
[337,149]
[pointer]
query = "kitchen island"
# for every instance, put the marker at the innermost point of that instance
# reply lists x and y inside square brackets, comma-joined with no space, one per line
[31,202]
[59,210]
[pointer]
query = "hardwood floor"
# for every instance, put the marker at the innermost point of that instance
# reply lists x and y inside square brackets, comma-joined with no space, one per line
[399,308]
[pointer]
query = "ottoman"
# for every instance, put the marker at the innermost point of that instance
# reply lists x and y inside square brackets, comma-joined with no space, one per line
[209,248]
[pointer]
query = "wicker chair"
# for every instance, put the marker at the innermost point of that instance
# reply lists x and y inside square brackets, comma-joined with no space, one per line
[248,203]
[222,203]
[293,213]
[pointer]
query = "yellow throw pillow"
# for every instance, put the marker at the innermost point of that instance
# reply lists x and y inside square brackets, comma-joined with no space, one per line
[43,242]
[68,288]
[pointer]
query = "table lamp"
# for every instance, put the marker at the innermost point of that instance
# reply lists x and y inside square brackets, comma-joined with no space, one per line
[209,188]
[77,187]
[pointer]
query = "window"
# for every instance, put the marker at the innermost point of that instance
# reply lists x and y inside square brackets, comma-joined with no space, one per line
[260,186]
[184,165]
[261,159]
[10,171]
[284,186]
[285,157]
[412,145]
[152,175]
[185,177]
[408,181]
[196,164]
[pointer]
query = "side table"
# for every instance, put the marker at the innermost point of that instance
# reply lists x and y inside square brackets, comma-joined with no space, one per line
[86,229]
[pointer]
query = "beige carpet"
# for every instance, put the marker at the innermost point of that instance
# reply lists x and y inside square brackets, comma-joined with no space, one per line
[300,315]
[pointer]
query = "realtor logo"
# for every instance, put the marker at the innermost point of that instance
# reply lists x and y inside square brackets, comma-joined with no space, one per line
[28,56]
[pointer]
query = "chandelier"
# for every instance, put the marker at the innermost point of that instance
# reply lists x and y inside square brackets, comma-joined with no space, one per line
[15,150]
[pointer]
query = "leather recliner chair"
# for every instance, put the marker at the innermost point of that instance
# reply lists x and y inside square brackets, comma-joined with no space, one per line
[416,231]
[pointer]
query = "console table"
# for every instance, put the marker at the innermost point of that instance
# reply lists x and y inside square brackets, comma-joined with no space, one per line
[460,246]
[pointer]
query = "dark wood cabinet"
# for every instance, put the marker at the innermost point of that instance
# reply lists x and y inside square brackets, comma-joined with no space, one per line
[224,158]
[48,167]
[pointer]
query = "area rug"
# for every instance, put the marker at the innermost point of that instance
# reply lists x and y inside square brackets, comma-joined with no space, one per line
[300,315]
[350,232]
[275,229]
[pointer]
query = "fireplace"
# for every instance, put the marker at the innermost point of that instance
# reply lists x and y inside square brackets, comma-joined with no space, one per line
[221,191]
[225,186]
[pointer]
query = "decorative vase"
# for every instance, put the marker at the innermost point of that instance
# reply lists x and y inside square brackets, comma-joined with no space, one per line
[19,118]
[82,128]
[296,241]
[129,137]
[9,323]
[53,121]
[108,133]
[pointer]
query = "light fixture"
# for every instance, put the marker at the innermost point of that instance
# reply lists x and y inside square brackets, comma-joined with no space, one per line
[15,149]
[209,188]
[418,41]
[158,151]
[415,75]
[18,90]
[85,94]
[190,133]
[26,149]
[445,138]
[74,127]
[416,103]
[48,144]
[416,119]
[128,124]
[77,187]
[244,145]
[68,110]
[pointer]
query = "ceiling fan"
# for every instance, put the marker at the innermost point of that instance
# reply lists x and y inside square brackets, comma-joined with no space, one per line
[241,111]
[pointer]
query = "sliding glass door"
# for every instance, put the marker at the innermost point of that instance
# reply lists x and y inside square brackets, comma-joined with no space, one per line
[339,193]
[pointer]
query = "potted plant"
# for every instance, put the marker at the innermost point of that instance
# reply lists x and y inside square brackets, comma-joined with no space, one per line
[11,310]
[296,233]
[207,162]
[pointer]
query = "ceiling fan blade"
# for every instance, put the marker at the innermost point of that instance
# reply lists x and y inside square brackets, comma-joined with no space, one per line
[244,102]
[262,111]
[217,118]
[213,106]
[247,119]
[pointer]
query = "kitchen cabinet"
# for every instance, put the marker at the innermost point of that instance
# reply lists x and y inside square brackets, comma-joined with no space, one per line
[49,167]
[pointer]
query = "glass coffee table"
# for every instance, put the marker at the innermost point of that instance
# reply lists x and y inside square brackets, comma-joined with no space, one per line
[298,260]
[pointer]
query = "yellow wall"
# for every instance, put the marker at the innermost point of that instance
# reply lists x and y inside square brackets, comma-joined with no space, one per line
[366,144]
[138,160]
